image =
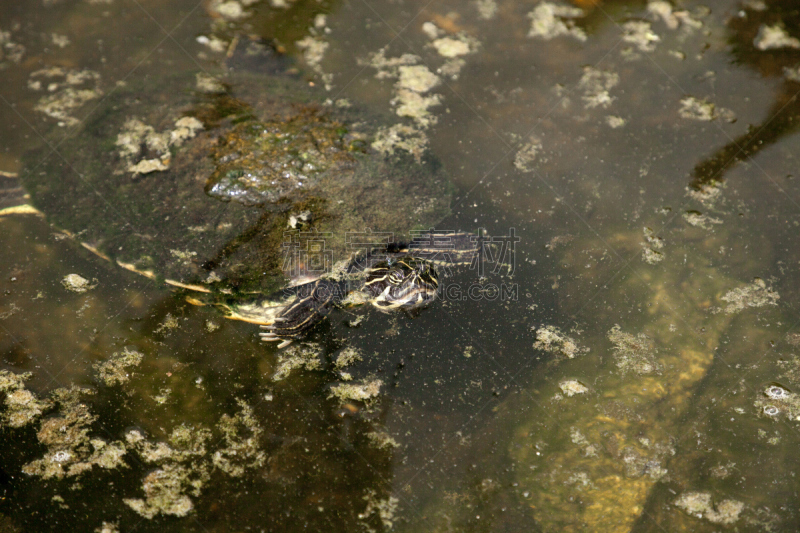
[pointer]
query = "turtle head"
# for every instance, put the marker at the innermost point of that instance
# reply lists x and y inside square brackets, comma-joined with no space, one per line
[404,283]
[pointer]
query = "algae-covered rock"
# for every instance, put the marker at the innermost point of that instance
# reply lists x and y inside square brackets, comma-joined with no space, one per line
[604,457]
[738,428]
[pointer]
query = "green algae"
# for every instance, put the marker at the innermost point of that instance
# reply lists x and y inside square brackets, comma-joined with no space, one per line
[115,371]
[180,471]
[21,406]
[366,391]
[756,294]
[243,449]
[700,504]
[384,509]
[71,451]
[634,353]
[78,284]
[552,340]
[300,355]
[348,357]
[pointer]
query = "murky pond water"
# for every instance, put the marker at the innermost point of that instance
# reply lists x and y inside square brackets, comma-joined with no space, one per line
[625,357]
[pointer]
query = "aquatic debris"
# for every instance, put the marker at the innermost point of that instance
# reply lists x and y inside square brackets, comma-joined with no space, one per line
[640,34]
[114,371]
[12,310]
[70,449]
[559,240]
[652,239]
[651,257]
[163,490]
[163,395]
[757,294]
[403,137]
[578,438]
[650,253]
[137,141]
[615,122]
[792,73]
[451,47]
[228,9]
[663,10]
[242,437]
[699,505]
[775,401]
[554,341]
[706,193]
[386,67]
[209,84]
[347,357]
[299,220]
[699,220]
[385,508]
[702,110]
[62,41]
[67,94]
[549,20]
[793,339]
[487,9]
[9,50]
[673,19]
[410,100]
[527,155]
[314,49]
[77,283]
[722,471]
[107,527]
[595,84]
[299,355]
[214,43]
[181,471]
[366,391]
[416,78]
[571,387]
[170,323]
[635,354]
[381,440]
[21,405]
[773,37]
[694,109]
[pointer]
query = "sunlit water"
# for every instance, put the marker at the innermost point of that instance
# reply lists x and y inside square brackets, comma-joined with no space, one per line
[639,374]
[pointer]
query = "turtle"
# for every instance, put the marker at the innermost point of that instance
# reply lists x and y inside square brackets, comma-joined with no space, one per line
[397,277]
[205,180]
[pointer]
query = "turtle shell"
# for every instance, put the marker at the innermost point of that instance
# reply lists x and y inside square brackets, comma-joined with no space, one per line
[195,180]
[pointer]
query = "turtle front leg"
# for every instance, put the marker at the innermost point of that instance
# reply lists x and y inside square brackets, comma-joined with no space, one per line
[312,303]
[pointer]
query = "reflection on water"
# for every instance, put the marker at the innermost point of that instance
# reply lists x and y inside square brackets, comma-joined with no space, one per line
[643,377]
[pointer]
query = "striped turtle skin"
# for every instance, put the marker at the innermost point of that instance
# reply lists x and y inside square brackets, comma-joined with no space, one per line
[398,276]
[405,283]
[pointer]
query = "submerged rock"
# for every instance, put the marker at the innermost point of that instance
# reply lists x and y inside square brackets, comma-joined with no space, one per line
[197,186]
